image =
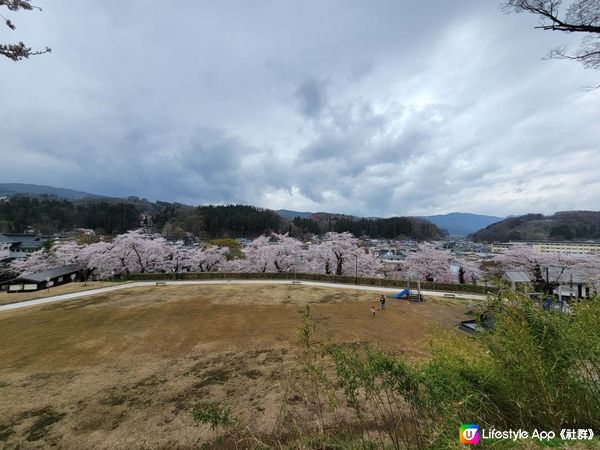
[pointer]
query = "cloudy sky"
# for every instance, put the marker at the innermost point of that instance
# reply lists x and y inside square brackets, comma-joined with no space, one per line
[370,108]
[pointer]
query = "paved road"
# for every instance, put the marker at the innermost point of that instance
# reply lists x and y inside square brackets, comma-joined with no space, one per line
[81,294]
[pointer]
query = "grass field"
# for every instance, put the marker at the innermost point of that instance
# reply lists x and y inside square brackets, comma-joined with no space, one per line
[122,370]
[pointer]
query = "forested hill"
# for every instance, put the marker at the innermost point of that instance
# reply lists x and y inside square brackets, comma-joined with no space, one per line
[10,189]
[248,221]
[566,225]
[47,215]
[177,220]
[19,213]
[387,228]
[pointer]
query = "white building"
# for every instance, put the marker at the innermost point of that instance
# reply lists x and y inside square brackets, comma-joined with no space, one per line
[20,245]
[570,247]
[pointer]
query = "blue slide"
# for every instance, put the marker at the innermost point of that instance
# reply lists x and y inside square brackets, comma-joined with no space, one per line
[404,293]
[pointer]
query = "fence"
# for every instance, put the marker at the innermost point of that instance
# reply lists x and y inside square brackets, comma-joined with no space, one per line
[383,282]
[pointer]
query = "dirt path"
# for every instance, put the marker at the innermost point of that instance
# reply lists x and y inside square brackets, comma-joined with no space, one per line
[76,295]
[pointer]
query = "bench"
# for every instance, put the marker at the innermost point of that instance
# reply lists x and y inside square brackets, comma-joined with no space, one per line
[296,282]
[161,283]
[449,295]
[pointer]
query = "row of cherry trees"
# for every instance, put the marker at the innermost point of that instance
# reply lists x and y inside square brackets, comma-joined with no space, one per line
[334,254]
[137,252]
[429,263]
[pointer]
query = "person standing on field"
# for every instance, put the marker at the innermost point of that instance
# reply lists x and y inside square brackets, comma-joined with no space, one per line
[382,301]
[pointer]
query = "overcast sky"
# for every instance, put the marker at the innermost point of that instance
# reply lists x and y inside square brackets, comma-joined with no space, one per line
[369,108]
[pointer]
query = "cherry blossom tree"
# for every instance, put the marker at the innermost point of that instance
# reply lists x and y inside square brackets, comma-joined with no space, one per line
[36,262]
[518,258]
[468,271]
[93,259]
[136,252]
[139,252]
[341,254]
[320,259]
[525,258]
[588,269]
[132,252]
[272,253]
[207,259]
[87,257]
[429,264]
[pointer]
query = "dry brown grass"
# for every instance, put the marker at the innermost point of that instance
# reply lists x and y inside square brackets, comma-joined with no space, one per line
[122,370]
[15,297]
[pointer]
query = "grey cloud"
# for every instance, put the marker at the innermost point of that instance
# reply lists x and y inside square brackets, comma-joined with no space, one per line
[394,108]
[312,97]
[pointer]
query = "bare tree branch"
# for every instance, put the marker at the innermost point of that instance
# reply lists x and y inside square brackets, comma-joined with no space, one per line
[582,16]
[15,5]
[19,51]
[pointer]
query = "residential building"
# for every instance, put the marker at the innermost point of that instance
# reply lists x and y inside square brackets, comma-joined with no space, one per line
[42,280]
[570,247]
[21,245]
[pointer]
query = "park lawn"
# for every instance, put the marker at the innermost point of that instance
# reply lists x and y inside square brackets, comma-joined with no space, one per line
[16,297]
[123,369]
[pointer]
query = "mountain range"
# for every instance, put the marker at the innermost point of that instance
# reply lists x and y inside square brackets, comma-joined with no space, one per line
[462,224]
[9,189]
[456,223]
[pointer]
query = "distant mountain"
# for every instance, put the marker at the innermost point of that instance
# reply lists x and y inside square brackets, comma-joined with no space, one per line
[565,225]
[426,228]
[288,214]
[462,224]
[10,189]
[457,224]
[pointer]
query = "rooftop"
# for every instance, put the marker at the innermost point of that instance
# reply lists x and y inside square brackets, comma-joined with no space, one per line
[49,274]
[517,277]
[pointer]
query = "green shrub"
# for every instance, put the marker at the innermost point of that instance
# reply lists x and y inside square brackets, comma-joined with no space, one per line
[535,369]
[213,414]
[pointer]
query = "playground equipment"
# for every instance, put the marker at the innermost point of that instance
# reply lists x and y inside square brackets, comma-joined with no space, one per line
[404,293]
[410,296]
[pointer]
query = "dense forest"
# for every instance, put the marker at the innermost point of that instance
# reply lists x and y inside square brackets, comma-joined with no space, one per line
[390,228]
[175,220]
[561,226]
[48,216]
[393,227]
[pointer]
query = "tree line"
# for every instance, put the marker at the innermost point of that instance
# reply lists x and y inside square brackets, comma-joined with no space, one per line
[177,221]
[47,216]
[390,228]
[211,222]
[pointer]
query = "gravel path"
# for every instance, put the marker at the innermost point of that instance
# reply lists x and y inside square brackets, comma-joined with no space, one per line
[76,295]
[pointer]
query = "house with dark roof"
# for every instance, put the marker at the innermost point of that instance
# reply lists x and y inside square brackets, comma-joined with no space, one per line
[21,245]
[42,280]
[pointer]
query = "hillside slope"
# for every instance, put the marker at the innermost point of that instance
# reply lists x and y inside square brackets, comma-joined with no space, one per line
[10,189]
[564,225]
